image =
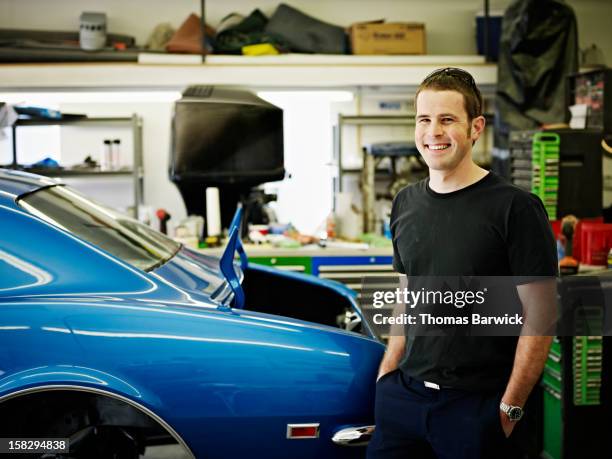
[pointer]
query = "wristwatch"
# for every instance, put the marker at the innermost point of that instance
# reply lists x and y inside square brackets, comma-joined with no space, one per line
[514,413]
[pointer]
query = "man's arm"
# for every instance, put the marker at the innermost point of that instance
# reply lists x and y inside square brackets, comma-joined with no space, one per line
[393,355]
[529,360]
[539,309]
[397,339]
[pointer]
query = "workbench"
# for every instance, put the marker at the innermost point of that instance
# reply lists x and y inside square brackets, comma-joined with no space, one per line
[349,266]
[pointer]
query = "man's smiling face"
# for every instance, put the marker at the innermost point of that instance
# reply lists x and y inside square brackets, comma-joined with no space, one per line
[443,133]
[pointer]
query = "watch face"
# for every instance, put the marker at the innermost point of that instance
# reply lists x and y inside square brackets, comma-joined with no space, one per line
[515,413]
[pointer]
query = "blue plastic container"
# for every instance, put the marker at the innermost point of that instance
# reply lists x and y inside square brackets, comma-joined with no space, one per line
[495,28]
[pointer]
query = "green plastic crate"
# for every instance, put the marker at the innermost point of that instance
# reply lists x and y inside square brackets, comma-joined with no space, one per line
[545,169]
[553,425]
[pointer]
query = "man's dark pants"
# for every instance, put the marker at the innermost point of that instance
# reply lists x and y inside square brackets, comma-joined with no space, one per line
[415,422]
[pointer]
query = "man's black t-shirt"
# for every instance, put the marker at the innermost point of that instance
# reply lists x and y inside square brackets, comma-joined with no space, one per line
[490,228]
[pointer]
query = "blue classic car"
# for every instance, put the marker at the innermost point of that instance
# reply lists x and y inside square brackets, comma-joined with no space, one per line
[124,342]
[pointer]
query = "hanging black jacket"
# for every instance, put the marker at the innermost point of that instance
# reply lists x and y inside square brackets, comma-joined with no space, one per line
[538,50]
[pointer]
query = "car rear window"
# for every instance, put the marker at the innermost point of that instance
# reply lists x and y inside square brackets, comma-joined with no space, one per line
[120,235]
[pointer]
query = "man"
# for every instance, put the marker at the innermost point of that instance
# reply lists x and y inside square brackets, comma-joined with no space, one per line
[459,396]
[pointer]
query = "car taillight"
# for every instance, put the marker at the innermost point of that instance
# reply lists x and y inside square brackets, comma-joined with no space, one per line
[302,431]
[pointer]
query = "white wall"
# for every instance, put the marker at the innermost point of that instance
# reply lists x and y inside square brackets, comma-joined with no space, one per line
[33,144]
[450,23]
[306,197]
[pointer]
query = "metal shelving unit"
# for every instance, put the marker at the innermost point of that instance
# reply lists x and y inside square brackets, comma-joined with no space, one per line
[363,120]
[137,172]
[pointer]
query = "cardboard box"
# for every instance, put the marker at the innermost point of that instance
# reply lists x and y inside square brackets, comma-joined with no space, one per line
[388,38]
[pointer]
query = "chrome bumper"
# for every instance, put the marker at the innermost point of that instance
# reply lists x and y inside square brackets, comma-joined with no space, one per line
[354,436]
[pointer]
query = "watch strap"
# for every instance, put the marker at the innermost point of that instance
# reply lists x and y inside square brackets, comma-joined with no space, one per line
[505,408]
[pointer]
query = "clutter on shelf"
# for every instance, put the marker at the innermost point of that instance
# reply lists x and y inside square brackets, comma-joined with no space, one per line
[286,30]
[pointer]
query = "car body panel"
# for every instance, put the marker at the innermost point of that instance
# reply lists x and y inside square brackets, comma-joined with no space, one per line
[53,262]
[227,381]
[192,272]
[248,371]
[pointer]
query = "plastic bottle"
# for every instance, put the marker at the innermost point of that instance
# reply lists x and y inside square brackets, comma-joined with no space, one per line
[116,157]
[107,156]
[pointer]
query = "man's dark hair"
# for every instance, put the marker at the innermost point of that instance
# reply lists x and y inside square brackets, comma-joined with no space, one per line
[454,79]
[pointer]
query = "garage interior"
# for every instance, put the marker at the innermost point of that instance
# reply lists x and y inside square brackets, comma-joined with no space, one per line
[176,113]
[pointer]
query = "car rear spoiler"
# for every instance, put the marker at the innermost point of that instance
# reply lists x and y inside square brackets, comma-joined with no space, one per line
[226,263]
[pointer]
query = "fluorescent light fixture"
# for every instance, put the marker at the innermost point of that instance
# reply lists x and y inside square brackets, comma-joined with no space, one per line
[330,96]
[111,97]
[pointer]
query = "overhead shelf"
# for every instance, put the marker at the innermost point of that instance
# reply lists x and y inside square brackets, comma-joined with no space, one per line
[291,71]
